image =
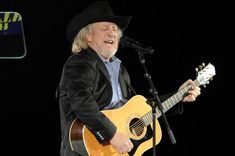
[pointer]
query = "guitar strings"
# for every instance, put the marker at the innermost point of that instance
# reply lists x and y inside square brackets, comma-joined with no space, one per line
[144,121]
[147,118]
[138,126]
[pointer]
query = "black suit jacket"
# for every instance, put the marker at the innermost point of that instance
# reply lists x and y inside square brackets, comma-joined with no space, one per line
[85,89]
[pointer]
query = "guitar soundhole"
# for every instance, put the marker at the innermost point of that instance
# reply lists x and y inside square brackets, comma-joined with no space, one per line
[136,127]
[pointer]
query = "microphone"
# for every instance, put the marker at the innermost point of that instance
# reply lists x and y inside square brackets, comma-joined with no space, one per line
[141,48]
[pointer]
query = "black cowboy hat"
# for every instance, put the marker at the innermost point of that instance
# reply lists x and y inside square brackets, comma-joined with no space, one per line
[95,12]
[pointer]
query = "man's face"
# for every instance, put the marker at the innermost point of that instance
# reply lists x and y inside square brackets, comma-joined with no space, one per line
[104,38]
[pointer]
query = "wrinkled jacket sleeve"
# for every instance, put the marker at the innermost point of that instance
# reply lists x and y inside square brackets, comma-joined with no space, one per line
[79,82]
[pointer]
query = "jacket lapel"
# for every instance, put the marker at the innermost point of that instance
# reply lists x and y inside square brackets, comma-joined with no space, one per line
[102,66]
[122,84]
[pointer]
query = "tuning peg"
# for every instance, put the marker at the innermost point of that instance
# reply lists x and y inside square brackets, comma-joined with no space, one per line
[206,84]
[200,67]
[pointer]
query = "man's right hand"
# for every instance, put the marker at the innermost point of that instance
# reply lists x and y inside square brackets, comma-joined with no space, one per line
[121,142]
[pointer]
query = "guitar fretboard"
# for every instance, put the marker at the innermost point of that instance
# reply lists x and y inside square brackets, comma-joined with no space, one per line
[168,104]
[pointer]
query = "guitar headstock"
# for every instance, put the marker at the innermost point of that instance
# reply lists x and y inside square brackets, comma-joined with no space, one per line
[205,73]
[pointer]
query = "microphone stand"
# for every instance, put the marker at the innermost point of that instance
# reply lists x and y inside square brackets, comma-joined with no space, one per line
[156,103]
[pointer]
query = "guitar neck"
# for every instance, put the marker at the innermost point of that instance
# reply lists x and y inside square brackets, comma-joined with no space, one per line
[168,104]
[174,99]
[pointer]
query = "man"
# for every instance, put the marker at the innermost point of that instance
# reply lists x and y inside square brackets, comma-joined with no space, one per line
[93,79]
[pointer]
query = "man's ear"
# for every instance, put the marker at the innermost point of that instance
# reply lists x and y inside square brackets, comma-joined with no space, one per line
[88,37]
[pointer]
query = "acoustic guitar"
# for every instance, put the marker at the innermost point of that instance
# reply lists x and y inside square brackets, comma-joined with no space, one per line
[135,123]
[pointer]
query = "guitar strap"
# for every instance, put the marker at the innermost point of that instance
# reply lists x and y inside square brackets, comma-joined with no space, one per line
[57,92]
[131,88]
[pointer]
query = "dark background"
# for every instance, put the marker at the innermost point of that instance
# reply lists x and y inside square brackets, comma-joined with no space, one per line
[183,35]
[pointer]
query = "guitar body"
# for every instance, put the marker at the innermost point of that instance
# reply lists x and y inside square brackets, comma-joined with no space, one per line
[124,118]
